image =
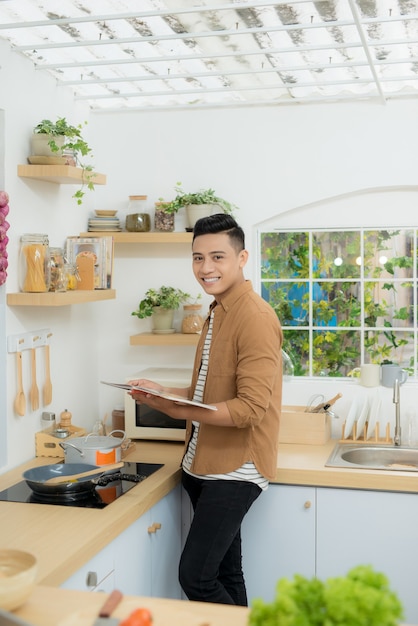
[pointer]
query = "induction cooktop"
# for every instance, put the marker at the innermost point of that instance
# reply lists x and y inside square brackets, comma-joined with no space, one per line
[118,484]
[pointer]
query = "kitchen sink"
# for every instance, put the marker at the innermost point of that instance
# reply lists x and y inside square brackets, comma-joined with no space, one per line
[383,457]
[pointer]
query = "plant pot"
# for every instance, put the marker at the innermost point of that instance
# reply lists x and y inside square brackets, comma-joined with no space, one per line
[195,211]
[162,320]
[40,147]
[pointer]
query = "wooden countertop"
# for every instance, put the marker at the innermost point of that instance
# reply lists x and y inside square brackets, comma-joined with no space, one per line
[63,539]
[60,607]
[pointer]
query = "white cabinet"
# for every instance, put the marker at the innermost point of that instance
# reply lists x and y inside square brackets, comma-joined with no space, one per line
[143,559]
[369,527]
[278,538]
[98,574]
[325,532]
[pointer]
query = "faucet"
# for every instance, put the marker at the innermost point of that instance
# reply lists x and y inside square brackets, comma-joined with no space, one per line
[397,437]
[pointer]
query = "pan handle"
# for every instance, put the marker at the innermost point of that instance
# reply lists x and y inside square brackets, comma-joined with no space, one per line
[65,445]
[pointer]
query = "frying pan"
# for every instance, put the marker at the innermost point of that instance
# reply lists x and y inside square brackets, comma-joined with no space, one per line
[36,476]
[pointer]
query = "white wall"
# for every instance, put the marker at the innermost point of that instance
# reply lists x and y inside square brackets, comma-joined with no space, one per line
[266,160]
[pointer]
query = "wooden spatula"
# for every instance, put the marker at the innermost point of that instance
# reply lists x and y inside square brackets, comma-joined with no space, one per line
[57,480]
[20,400]
[47,391]
[34,391]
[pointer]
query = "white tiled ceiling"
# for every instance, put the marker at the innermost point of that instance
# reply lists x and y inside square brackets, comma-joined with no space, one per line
[124,54]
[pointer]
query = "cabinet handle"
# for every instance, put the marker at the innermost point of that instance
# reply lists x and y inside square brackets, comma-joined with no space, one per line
[153,528]
[307,504]
[91,579]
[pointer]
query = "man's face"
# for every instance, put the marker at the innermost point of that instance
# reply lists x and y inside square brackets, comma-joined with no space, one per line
[217,265]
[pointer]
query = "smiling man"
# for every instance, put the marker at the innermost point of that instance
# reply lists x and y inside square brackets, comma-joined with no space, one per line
[231,453]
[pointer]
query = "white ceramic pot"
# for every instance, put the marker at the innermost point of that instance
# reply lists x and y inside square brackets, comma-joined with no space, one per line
[40,147]
[94,449]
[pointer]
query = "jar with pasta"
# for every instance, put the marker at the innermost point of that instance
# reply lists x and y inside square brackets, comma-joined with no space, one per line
[34,263]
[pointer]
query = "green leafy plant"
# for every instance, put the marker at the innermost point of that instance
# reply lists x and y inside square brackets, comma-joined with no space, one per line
[164,297]
[203,196]
[363,597]
[74,143]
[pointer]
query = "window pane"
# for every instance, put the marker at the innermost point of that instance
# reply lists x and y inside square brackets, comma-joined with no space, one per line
[289,300]
[390,345]
[335,352]
[388,253]
[336,254]
[336,304]
[296,344]
[388,303]
[284,255]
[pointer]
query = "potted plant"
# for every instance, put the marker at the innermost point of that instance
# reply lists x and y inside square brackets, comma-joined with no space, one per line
[161,304]
[198,204]
[61,139]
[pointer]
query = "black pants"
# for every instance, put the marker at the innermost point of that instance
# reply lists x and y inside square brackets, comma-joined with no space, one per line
[211,564]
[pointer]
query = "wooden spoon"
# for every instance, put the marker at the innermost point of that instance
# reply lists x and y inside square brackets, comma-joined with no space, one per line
[34,391]
[47,391]
[20,400]
[57,480]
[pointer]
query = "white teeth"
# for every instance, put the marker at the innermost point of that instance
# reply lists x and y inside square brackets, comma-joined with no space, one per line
[210,280]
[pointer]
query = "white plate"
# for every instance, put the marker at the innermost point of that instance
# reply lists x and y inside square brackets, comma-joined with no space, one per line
[373,415]
[351,418]
[361,422]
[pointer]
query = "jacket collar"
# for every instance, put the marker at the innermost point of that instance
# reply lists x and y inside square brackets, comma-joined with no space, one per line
[229,300]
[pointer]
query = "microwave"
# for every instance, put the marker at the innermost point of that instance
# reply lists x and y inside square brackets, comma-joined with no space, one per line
[142,422]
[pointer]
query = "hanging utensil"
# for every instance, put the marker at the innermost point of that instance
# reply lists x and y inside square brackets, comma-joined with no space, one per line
[20,400]
[47,390]
[34,391]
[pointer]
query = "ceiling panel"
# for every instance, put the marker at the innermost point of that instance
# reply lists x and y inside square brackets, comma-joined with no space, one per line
[125,54]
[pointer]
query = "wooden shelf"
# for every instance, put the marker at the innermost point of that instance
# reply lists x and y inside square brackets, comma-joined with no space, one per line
[60,174]
[175,339]
[65,298]
[151,237]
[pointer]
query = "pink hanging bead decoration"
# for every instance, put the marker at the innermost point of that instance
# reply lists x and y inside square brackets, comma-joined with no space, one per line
[4,227]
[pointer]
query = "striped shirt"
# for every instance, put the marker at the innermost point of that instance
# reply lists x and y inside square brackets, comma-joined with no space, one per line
[248,471]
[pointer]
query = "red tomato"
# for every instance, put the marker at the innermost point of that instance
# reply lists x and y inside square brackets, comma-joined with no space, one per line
[139,617]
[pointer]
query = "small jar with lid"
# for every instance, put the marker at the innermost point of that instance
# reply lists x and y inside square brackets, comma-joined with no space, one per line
[192,319]
[34,263]
[71,276]
[58,277]
[137,220]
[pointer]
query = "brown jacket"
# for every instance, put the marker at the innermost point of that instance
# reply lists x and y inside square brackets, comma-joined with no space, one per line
[245,370]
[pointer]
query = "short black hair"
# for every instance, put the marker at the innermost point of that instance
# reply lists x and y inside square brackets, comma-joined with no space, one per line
[221,223]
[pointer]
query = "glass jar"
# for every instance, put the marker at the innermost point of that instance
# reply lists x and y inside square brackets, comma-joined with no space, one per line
[58,277]
[138,223]
[192,320]
[163,221]
[48,421]
[71,276]
[34,263]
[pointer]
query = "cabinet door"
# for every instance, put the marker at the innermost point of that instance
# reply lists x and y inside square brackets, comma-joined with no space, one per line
[370,528]
[278,538]
[133,558]
[96,575]
[166,545]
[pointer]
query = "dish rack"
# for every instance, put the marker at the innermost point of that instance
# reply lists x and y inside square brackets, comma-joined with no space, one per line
[363,439]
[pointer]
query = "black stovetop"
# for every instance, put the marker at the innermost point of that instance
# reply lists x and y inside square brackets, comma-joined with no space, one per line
[100,497]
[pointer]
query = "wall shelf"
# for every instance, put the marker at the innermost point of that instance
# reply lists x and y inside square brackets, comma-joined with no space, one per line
[64,298]
[175,339]
[60,174]
[151,237]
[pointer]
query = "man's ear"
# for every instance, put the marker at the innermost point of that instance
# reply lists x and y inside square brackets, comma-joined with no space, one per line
[243,258]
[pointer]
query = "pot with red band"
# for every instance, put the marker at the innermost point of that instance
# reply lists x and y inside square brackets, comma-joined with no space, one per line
[94,449]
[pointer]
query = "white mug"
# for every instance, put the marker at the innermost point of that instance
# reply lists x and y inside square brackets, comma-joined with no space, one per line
[391,372]
[369,375]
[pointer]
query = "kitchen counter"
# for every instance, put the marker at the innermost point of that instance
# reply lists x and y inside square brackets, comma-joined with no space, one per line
[60,607]
[64,538]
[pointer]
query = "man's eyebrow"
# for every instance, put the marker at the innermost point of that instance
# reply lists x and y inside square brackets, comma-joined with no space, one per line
[211,252]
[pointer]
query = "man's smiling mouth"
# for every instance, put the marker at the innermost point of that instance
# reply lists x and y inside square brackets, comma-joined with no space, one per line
[210,280]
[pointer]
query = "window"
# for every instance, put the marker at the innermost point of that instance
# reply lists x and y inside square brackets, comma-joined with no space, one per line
[344,297]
